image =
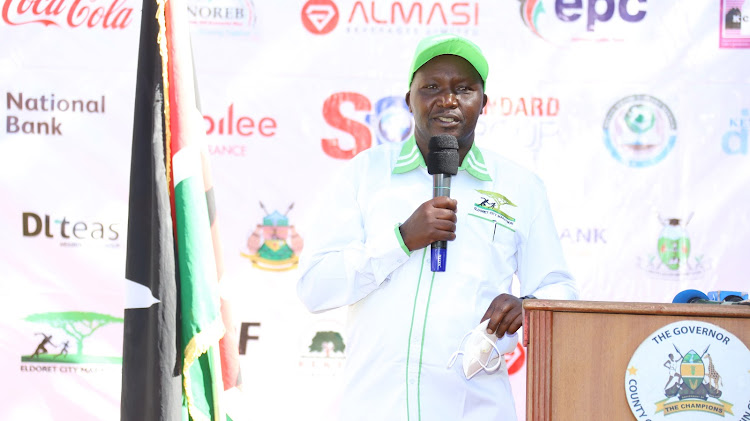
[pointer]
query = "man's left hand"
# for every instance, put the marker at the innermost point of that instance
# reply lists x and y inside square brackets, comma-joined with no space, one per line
[505,314]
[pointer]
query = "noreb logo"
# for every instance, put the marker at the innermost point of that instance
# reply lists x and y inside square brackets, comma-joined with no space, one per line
[639,130]
[320,16]
[734,141]
[390,120]
[705,368]
[71,234]
[234,16]
[560,21]
[674,258]
[267,246]
[65,342]
[105,14]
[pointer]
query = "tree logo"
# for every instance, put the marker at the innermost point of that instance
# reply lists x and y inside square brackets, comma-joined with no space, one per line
[267,246]
[488,208]
[322,353]
[669,375]
[68,348]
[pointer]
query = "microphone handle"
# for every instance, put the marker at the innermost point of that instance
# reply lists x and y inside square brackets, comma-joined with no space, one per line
[441,186]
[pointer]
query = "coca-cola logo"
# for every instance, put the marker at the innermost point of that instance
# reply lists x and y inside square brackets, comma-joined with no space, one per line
[109,14]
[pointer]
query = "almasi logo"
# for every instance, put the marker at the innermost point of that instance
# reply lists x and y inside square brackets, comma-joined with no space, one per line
[561,21]
[320,16]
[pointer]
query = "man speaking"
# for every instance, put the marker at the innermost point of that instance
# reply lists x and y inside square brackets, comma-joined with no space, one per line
[370,251]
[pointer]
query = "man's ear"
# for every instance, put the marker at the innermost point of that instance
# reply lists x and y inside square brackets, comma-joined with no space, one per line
[484,102]
[408,101]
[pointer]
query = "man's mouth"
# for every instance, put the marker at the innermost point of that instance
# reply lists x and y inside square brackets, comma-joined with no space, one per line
[447,119]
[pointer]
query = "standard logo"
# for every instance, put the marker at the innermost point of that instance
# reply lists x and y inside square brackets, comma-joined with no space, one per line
[267,246]
[320,16]
[689,370]
[734,31]
[488,208]
[640,130]
[531,121]
[61,339]
[674,258]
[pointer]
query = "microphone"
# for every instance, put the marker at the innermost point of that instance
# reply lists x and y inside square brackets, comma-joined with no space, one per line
[693,296]
[442,163]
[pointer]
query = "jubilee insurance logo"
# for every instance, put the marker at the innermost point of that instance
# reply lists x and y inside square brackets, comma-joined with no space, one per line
[320,16]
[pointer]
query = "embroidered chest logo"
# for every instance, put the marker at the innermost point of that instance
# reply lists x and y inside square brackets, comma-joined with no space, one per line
[489,207]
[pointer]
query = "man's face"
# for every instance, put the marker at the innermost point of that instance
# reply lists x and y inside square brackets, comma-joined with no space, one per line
[446,97]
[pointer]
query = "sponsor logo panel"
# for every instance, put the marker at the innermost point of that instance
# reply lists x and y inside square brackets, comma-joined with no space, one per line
[531,121]
[229,130]
[321,17]
[274,245]
[388,120]
[564,21]
[734,24]
[640,131]
[674,257]
[70,232]
[734,141]
[322,348]
[69,342]
[102,14]
[46,114]
[227,17]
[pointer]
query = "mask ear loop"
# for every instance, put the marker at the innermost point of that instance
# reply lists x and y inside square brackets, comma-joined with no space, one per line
[499,361]
[459,352]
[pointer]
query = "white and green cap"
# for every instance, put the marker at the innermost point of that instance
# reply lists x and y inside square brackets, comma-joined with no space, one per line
[440,44]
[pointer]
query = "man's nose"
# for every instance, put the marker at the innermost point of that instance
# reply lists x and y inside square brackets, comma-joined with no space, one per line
[449,100]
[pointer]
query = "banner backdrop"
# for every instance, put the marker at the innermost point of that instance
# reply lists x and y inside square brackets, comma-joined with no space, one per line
[634,113]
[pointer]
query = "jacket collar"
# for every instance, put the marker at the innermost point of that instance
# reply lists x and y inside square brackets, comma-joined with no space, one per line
[411,158]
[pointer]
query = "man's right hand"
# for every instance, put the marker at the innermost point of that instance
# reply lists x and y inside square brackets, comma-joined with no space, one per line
[434,220]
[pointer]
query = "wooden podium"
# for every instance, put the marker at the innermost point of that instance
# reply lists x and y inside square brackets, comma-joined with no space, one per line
[578,351]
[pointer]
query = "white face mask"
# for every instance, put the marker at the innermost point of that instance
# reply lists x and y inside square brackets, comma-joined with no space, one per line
[483,351]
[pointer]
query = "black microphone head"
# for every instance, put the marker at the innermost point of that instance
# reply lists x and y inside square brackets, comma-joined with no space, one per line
[689,296]
[442,157]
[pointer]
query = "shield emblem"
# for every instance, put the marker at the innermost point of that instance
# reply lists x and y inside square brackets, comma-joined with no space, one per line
[692,370]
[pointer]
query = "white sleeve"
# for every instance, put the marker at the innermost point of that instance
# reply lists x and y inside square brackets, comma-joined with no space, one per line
[341,263]
[542,270]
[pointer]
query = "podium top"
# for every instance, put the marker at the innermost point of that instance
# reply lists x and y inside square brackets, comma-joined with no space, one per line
[664,309]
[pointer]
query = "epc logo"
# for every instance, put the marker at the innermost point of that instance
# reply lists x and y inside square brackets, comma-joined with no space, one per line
[320,16]
[576,20]
[389,119]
